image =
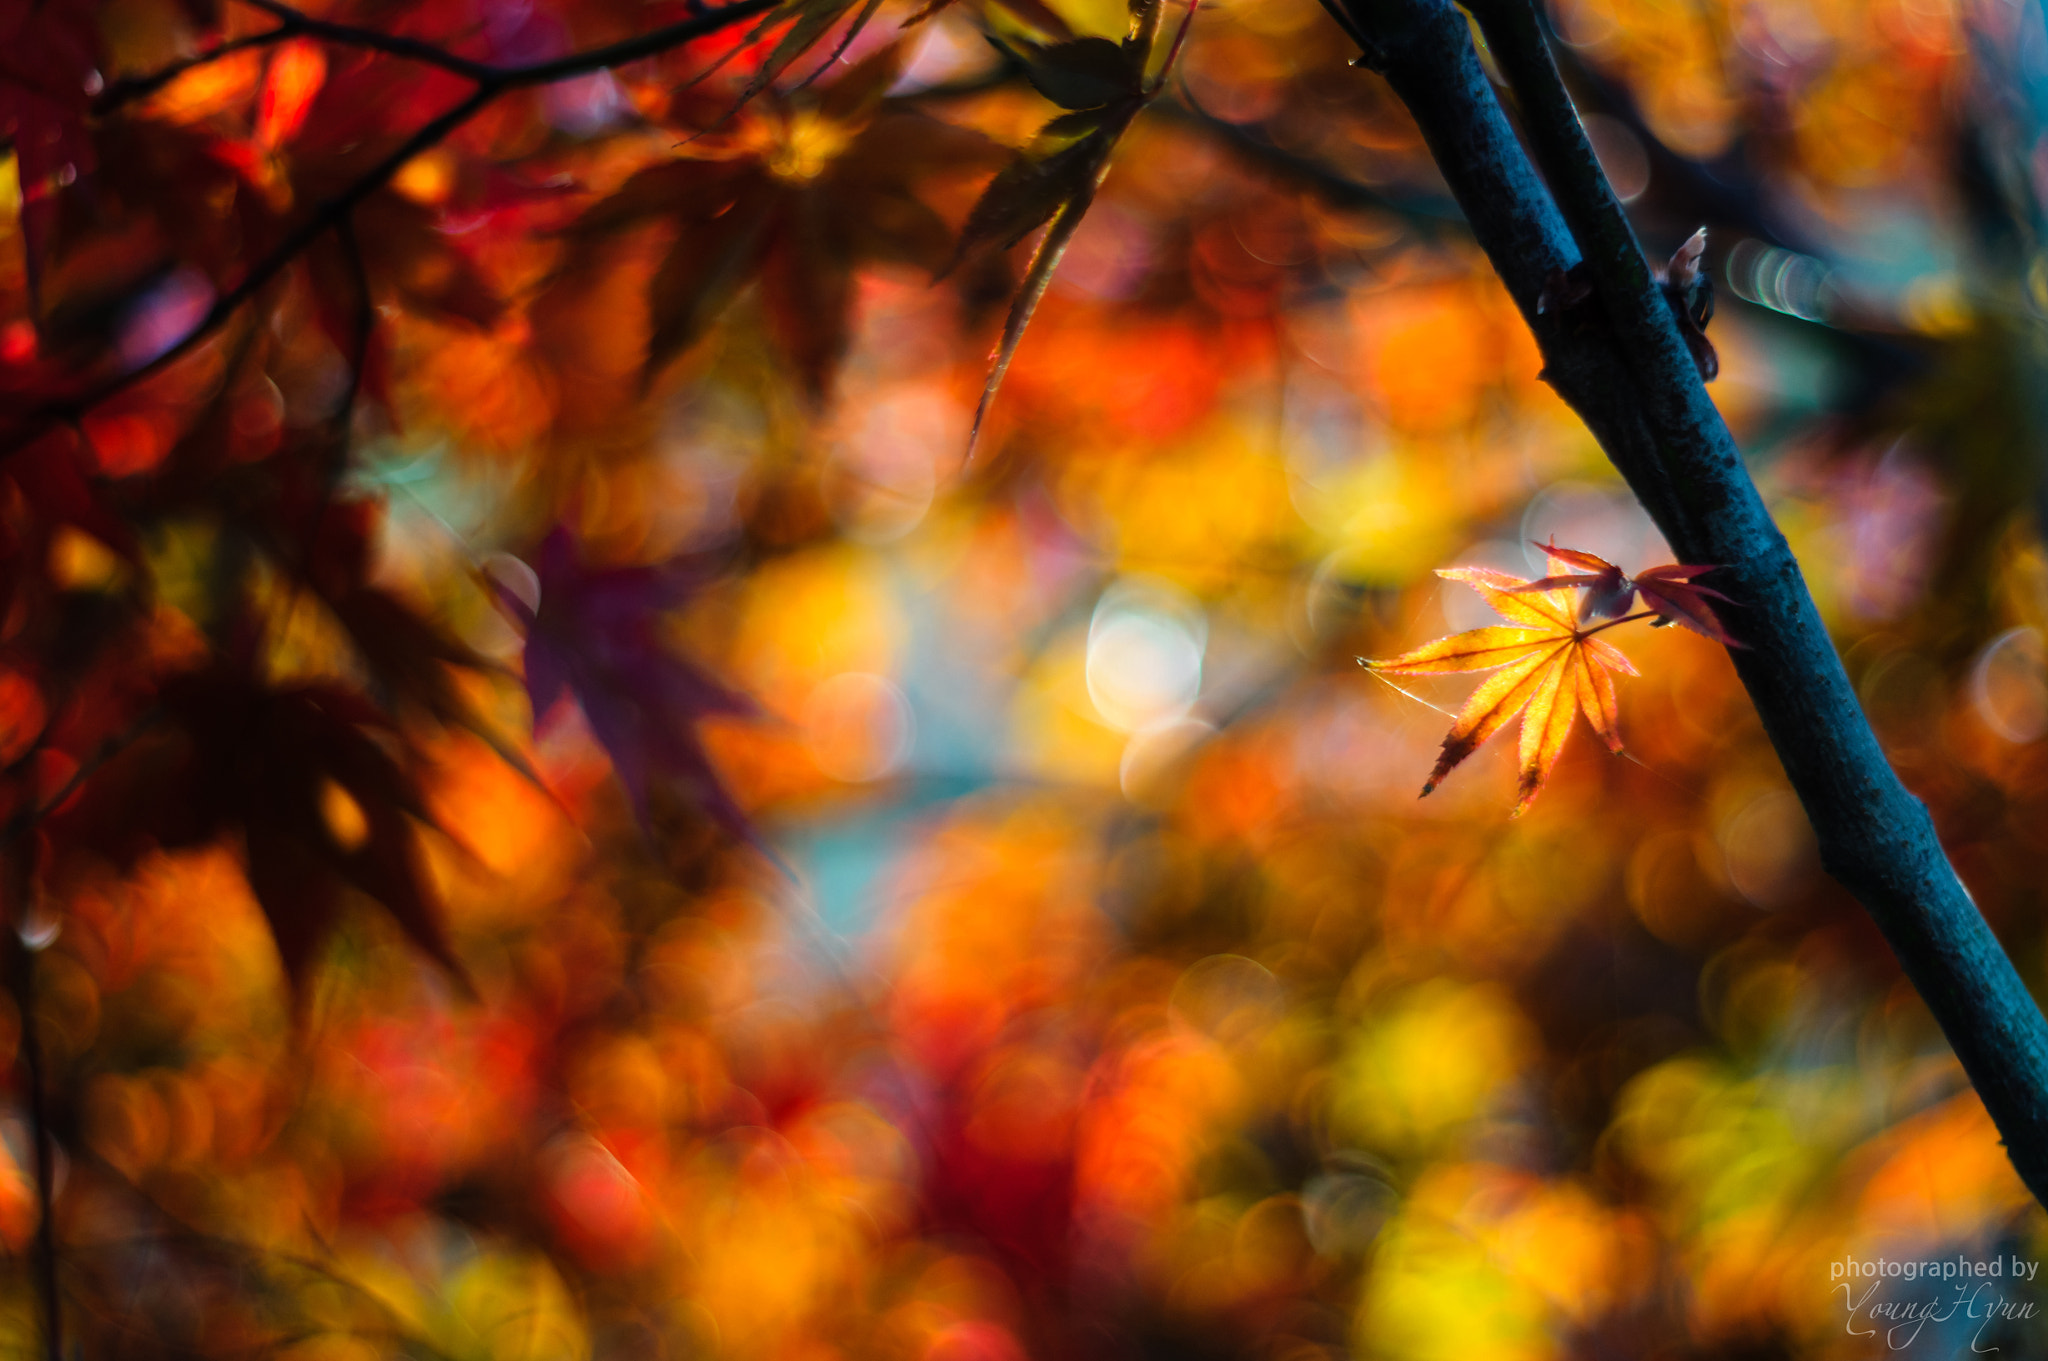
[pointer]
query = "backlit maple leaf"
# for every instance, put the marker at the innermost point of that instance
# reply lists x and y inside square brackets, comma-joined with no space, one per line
[1550,670]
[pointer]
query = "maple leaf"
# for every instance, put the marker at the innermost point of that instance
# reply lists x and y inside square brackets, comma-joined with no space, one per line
[1550,670]
[412,663]
[595,634]
[409,250]
[1668,592]
[306,775]
[810,20]
[801,191]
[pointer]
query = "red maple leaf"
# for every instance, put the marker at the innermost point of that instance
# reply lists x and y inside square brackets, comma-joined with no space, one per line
[304,774]
[595,634]
[1667,591]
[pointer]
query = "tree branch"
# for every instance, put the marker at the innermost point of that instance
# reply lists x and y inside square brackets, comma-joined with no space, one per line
[16,849]
[323,219]
[1430,214]
[1628,374]
[294,23]
[129,89]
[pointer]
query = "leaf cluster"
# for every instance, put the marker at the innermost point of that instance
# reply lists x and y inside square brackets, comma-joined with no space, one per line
[795,194]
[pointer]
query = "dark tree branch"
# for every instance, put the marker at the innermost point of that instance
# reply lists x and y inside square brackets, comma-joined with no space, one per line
[1614,258]
[1624,368]
[491,83]
[627,50]
[129,89]
[1430,214]
[293,23]
[322,220]
[365,329]
[18,850]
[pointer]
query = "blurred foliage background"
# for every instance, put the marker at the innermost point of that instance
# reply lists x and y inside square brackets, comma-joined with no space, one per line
[1049,957]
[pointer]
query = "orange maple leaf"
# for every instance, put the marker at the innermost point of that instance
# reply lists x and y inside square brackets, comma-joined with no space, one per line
[1550,670]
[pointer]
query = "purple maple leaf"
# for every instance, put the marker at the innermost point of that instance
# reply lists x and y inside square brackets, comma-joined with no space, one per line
[597,635]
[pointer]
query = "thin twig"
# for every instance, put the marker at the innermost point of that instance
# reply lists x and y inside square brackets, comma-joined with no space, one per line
[21,971]
[129,89]
[1614,259]
[108,750]
[365,333]
[322,220]
[1429,213]
[297,23]
[293,23]
[1180,40]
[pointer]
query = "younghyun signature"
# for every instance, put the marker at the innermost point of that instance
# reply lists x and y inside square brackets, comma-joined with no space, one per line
[1902,1320]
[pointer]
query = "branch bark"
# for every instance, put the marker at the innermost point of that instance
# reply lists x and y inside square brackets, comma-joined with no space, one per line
[1628,374]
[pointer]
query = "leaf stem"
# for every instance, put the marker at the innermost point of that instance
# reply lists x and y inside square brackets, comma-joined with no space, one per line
[1180,37]
[1625,619]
